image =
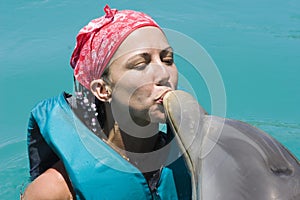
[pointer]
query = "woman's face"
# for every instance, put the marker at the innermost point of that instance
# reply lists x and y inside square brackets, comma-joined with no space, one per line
[141,72]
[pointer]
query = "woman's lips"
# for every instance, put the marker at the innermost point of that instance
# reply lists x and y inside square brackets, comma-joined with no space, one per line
[160,98]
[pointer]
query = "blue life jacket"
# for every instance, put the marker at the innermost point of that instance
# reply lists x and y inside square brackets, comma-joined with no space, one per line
[55,133]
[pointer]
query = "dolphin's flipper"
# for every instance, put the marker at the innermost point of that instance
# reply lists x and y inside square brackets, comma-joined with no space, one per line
[231,160]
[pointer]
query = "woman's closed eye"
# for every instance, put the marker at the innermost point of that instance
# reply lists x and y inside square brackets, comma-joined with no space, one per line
[139,61]
[167,57]
[168,60]
[140,64]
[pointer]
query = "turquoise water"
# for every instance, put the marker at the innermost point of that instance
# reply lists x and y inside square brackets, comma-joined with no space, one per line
[255,45]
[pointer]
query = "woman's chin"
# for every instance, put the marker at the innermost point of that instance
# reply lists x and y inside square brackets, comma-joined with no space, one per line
[157,117]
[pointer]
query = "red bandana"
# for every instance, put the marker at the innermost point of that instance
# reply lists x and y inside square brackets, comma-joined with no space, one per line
[98,41]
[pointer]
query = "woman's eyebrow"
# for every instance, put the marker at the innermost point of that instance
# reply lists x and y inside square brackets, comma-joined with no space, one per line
[166,51]
[140,55]
[169,48]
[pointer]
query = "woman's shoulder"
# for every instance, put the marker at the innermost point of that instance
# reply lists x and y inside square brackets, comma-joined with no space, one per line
[49,185]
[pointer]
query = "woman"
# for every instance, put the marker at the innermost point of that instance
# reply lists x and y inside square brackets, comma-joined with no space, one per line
[123,66]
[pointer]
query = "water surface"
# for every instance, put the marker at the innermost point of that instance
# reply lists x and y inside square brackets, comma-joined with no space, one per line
[255,45]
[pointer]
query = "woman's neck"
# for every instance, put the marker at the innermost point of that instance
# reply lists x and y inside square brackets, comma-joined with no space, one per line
[123,141]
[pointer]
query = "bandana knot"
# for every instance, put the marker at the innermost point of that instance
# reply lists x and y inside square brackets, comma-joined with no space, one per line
[109,12]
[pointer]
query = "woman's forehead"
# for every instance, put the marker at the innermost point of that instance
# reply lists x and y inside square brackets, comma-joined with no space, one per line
[142,39]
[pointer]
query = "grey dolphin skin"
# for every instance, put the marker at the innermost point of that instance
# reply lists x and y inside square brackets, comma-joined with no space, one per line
[229,159]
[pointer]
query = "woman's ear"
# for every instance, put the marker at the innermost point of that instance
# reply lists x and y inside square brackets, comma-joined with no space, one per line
[101,90]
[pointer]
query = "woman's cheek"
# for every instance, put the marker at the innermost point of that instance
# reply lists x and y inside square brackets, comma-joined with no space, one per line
[174,78]
[141,98]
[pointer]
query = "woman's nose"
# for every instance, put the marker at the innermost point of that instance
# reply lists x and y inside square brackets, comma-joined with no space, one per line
[162,75]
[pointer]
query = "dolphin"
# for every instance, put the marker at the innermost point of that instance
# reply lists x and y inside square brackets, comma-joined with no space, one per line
[230,159]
